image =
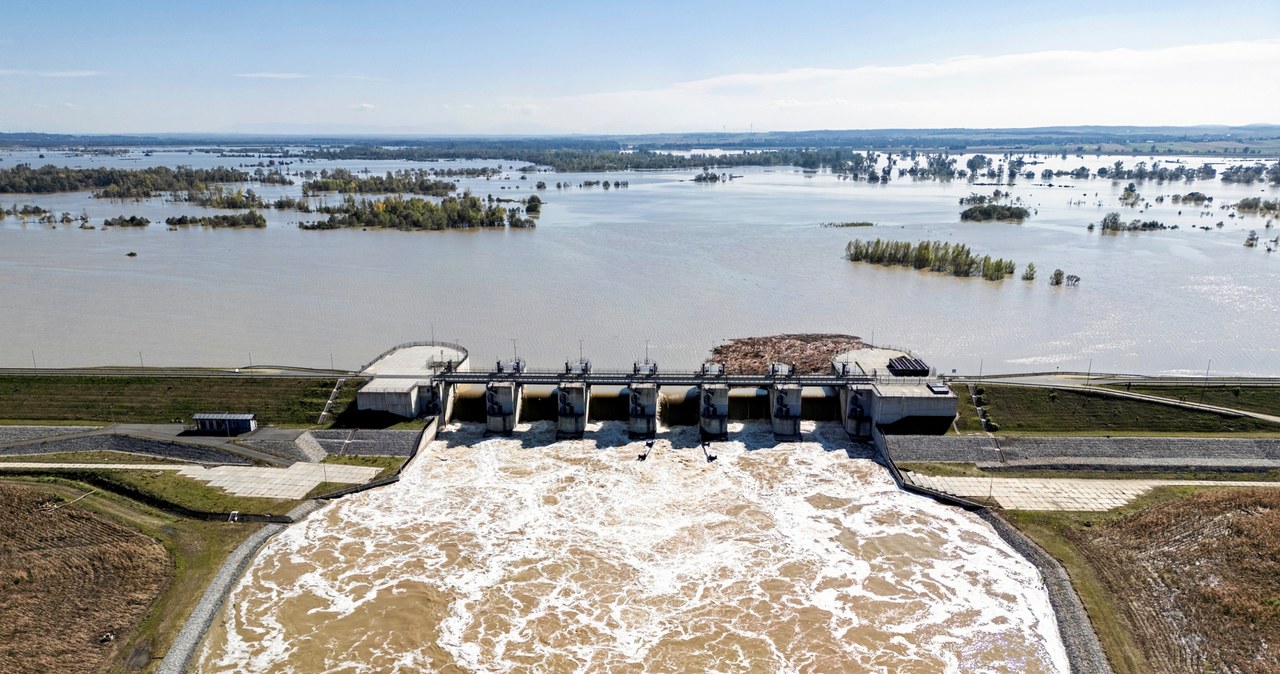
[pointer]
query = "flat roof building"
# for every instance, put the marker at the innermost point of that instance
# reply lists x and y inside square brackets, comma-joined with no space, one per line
[224,423]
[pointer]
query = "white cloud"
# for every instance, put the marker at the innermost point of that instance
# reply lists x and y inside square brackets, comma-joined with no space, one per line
[362,106]
[273,76]
[1193,84]
[49,73]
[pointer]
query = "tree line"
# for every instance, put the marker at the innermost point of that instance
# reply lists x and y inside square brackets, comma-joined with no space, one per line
[114,183]
[936,256]
[415,213]
[251,219]
[410,181]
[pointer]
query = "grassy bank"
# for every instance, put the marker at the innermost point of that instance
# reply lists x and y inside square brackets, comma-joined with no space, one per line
[105,456]
[167,490]
[196,549]
[967,420]
[1263,399]
[283,401]
[1028,409]
[387,464]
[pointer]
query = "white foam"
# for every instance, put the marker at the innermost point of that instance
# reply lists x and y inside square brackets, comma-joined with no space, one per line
[631,559]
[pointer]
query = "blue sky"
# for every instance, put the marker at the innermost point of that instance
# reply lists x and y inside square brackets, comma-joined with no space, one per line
[606,67]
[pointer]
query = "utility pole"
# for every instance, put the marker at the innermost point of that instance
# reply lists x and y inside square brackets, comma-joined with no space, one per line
[1205,388]
[1088,374]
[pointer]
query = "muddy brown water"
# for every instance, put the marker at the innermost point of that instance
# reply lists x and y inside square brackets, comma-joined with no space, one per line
[527,554]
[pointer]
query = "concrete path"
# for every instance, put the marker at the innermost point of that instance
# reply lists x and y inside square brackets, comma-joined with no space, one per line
[280,483]
[1088,495]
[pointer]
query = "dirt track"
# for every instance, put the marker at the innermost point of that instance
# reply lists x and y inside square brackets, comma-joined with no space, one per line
[75,586]
[811,353]
[1198,579]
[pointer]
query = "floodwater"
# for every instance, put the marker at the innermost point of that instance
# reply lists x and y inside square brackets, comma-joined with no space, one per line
[665,261]
[527,554]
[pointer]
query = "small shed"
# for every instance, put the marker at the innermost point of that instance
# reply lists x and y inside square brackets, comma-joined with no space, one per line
[224,423]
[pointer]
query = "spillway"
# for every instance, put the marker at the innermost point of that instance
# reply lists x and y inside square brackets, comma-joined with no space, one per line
[524,553]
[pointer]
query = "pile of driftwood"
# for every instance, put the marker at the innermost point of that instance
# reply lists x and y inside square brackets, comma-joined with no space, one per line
[811,353]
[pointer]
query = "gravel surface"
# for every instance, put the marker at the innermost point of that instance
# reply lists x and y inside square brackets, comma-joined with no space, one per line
[180,451]
[184,646]
[307,443]
[287,449]
[1078,638]
[10,434]
[942,448]
[368,443]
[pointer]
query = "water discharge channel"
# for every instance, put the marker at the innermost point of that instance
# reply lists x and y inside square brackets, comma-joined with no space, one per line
[526,554]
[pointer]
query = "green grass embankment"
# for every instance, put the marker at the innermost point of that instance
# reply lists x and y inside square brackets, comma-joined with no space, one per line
[387,464]
[1038,410]
[1261,399]
[967,420]
[140,399]
[166,490]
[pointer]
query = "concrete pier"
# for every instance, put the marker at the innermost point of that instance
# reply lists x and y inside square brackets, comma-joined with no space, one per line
[573,400]
[643,417]
[502,406]
[855,410]
[784,410]
[784,401]
[713,415]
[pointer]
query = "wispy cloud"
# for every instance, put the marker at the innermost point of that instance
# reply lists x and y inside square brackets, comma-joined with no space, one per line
[48,73]
[1116,86]
[362,106]
[272,76]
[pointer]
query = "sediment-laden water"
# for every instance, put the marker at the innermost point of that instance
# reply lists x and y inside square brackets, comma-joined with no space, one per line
[665,264]
[527,554]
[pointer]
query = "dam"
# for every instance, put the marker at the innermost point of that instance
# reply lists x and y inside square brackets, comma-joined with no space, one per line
[526,535]
[870,387]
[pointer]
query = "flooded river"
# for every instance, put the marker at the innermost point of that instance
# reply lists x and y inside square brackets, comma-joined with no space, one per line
[677,264]
[527,554]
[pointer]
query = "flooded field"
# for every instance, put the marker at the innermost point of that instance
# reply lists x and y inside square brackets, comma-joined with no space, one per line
[666,261]
[527,554]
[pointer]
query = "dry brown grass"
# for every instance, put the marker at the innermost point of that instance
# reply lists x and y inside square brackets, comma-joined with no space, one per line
[811,353]
[1197,579]
[75,586]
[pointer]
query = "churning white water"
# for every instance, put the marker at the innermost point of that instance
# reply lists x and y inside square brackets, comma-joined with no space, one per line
[528,554]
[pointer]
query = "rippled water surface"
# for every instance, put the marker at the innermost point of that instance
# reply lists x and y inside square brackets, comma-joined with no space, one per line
[677,264]
[527,554]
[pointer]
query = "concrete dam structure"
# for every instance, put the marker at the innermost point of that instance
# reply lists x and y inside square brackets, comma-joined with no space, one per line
[869,387]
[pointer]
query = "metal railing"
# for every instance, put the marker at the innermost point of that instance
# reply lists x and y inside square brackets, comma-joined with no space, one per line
[448,345]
